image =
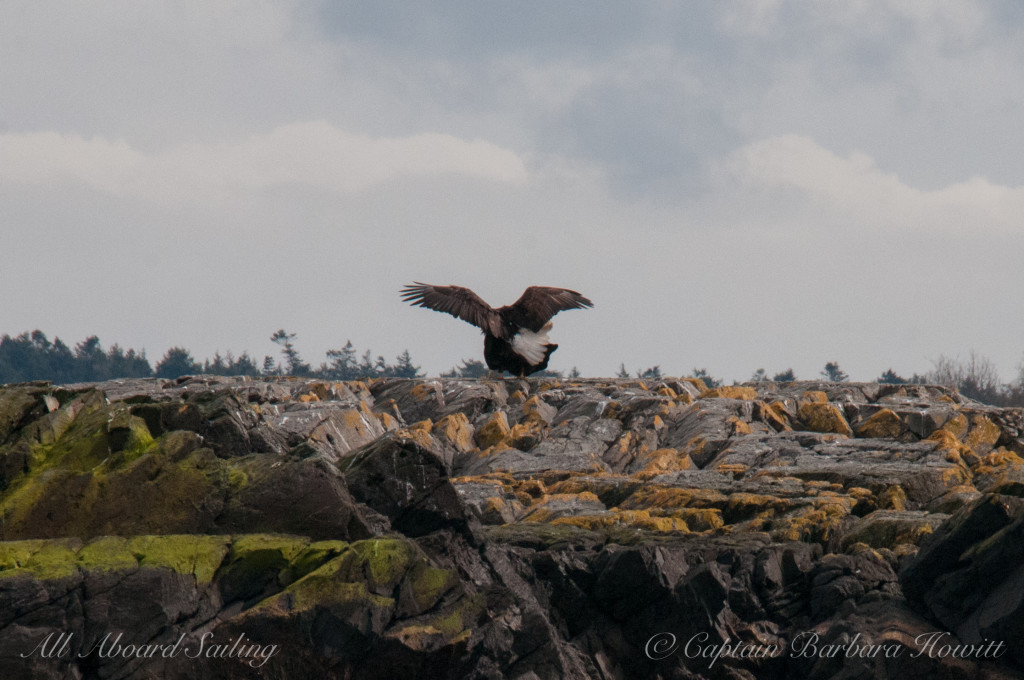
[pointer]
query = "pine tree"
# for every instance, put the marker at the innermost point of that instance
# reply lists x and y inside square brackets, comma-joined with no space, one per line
[293,362]
[833,373]
[177,362]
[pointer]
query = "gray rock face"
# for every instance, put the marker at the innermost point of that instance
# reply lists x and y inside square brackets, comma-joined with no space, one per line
[292,528]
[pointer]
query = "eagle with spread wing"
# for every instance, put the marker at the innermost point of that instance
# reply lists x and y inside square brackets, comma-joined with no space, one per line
[515,336]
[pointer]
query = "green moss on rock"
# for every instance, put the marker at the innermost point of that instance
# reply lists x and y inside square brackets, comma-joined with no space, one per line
[186,553]
[107,553]
[39,558]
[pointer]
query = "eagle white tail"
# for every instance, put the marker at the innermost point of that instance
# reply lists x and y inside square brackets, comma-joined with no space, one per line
[531,346]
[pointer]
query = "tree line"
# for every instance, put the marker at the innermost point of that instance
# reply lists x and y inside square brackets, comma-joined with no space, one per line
[33,356]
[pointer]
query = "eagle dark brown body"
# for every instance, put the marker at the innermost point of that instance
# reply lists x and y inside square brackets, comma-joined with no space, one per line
[516,335]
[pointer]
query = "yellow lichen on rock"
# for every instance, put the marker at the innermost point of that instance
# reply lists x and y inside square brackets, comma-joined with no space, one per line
[983,435]
[419,432]
[893,498]
[730,392]
[662,460]
[494,431]
[947,441]
[819,417]
[883,424]
[775,416]
[455,429]
[957,425]
[696,382]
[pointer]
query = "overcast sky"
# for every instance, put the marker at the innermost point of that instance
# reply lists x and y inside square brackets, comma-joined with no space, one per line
[736,185]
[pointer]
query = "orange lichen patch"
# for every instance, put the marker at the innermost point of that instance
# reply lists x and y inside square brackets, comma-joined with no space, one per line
[490,451]
[883,424]
[983,434]
[527,434]
[455,429]
[308,397]
[774,415]
[695,447]
[684,398]
[495,431]
[517,397]
[663,460]
[947,441]
[893,498]
[541,512]
[811,525]
[419,432]
[503,478]
[860,493]
[957,426]
[387,421]
[738,426]
[548,385]
[573,485]
[699,519]
[814,396]
[423,391]
[730,392]
[955,476]
[641,519]
[1002,456]
[732,468]
[671,497]
[742,505]
[536,489]
[533,411]
[667,391]
[820,485]
[696,382]
[819,417]
[888,532]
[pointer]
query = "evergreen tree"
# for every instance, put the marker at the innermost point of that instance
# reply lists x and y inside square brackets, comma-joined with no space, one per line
[90,360]
[623,373]
[786,376]
[471,368]
[176,363]
[269,367]
[293,362]
[654,372]
[833,373]
[890,378]
[343,364]
[404,367]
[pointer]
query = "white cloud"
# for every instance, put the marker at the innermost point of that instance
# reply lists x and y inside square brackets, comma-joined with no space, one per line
[315,154]
[855,188]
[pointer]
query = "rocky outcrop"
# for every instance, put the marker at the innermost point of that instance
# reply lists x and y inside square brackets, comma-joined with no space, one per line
[229,527]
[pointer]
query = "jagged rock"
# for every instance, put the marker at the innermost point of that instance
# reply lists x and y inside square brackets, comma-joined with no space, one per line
[508,528]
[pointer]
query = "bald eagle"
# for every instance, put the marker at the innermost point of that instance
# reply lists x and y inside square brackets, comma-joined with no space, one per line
[516,335]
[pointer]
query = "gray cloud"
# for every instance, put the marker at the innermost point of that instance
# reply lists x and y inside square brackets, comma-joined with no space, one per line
[737,185]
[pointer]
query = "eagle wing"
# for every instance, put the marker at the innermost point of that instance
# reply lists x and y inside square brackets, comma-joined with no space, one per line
[460,302]
[538,304]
